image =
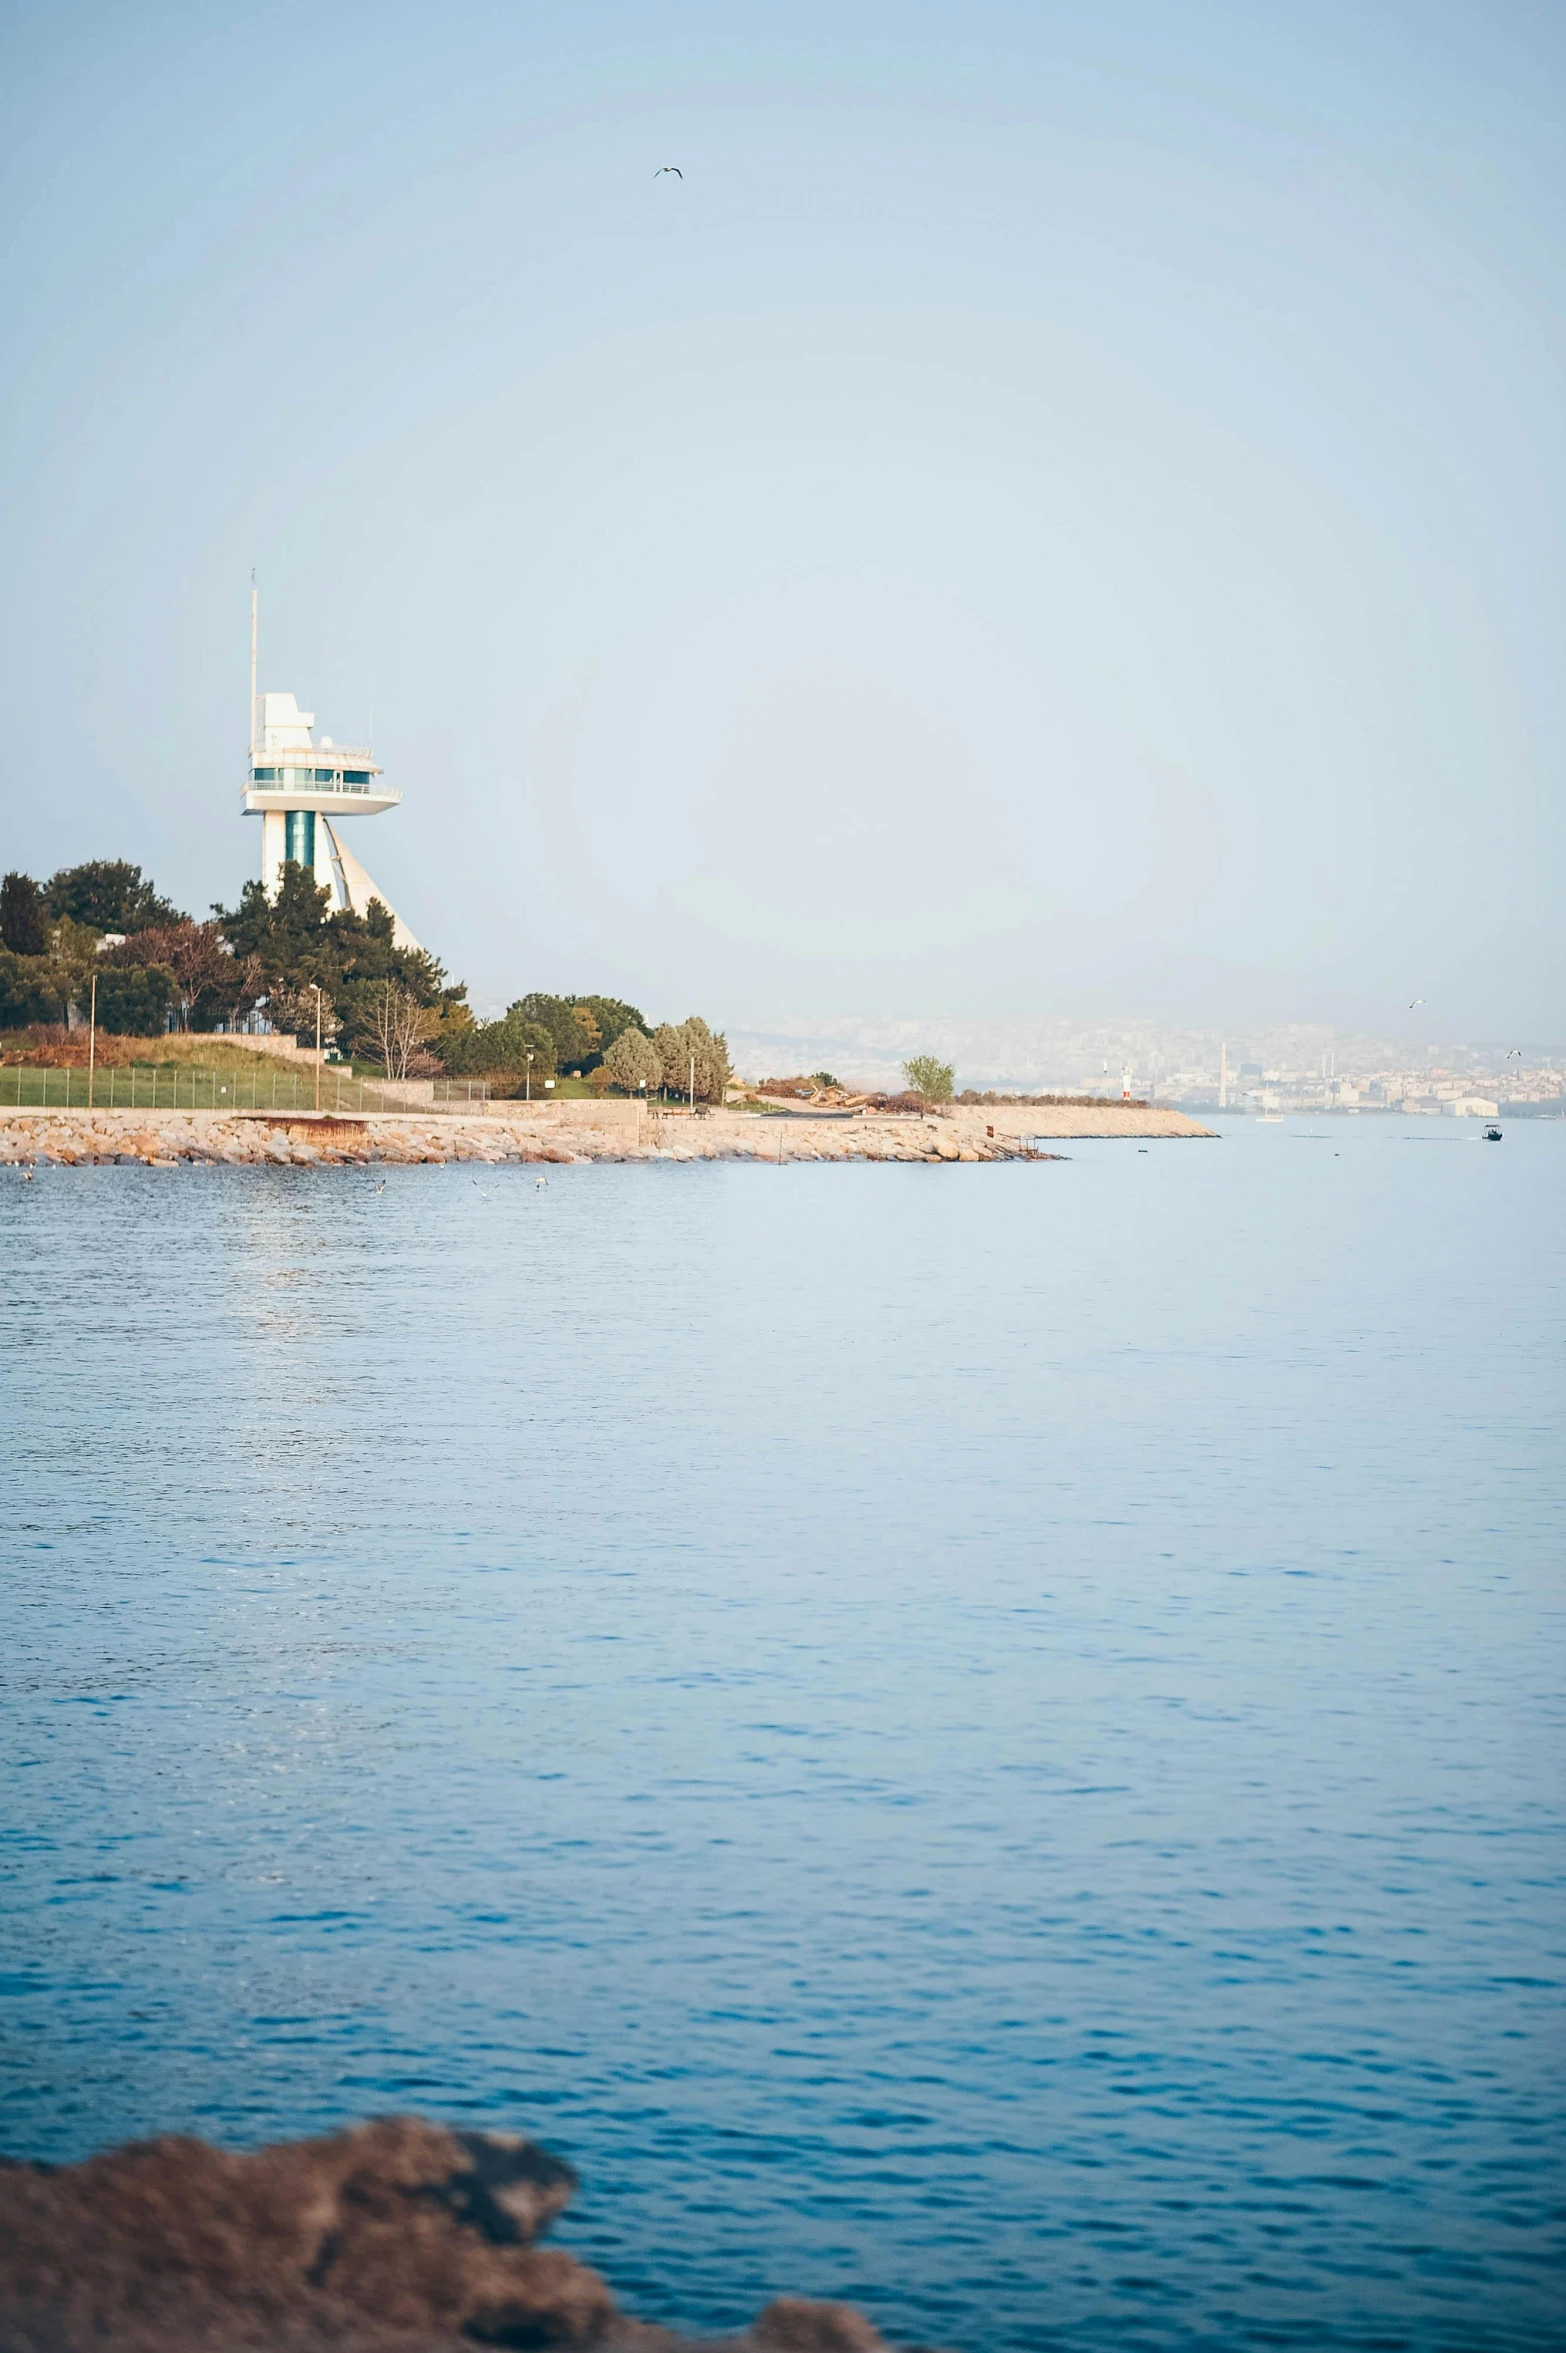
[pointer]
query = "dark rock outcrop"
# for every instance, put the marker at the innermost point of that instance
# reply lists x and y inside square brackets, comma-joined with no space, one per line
[393,2237]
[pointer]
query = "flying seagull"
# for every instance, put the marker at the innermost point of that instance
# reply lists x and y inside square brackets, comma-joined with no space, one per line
[1413,1001]
[1511,1050]
[668,167]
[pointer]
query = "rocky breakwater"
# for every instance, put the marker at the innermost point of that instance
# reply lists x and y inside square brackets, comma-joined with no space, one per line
[393,2237]
[175,1139]
[560,1132]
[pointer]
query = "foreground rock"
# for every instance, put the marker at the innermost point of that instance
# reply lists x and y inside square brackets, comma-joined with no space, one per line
[560,1132]
[394,2237]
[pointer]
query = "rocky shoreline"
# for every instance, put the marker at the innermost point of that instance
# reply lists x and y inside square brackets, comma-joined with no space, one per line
[562,1132]
[396,2236]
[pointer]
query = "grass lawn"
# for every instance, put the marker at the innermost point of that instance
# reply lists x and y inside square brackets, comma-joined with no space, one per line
[251,1082]
[258,1083]
[167,1053]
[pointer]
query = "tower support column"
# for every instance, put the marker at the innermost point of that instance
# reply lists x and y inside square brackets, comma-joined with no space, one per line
[273,830]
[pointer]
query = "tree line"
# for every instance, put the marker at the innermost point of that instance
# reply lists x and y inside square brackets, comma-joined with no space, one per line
[158,968]
[296,963]
[602,1039]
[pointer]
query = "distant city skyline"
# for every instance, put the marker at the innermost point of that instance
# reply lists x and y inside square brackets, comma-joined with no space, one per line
[1042,1052]
[1056,508]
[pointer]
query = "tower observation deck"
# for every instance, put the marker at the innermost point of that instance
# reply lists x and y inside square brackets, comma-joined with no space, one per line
[302,791]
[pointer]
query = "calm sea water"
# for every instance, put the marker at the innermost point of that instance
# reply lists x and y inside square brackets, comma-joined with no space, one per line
[984,1740]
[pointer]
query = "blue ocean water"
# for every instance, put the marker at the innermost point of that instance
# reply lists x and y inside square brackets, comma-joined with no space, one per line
[983,1740]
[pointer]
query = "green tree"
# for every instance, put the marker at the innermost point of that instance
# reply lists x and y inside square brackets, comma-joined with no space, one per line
[70,964]
[571,1028]
[351,956]
[555,1017]
[109,894]
[611,1017]
[487,1049]
[583,1028]
[633,1061]
[930,1078]
[691,1041]
[135,1000]
[238,988]
[24,926]
[285,932]
[196,954]
[368,959]
[26,991]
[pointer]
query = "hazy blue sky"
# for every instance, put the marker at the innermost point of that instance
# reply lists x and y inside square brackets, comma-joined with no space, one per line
[1059,509]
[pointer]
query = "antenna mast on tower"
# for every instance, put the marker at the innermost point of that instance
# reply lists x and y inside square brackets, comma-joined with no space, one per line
[252,668]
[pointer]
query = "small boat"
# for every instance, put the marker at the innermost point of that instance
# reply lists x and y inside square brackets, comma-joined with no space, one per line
[1492,1135]
[1270,1118]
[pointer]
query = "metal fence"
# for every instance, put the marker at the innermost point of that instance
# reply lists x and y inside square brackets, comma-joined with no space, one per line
[141,1086]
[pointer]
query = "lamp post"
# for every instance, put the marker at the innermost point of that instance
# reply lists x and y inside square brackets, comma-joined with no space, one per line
[315,984]
[693,1084]
[530,1075]
[92,1040]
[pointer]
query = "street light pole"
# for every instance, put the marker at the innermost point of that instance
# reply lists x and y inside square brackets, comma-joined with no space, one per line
[530,1076]
[315,984]
[92,1040]
[693,1083]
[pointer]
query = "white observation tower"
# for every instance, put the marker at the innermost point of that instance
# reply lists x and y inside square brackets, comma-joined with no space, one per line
[302,791]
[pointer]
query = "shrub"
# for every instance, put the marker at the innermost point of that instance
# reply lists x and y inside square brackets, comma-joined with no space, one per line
[930,1078]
